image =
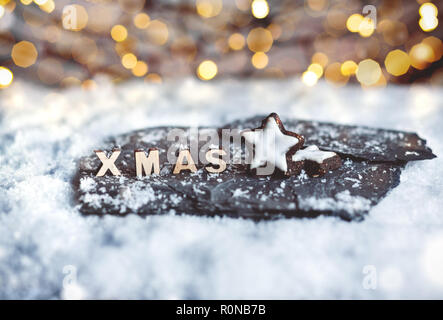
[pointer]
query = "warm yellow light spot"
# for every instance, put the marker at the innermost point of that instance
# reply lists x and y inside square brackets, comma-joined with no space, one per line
[129,61]
[260,8]
[309,78]
[40,2]
[276,30]
[428,23]
[421,54]
[89,85]
[397,62]
[26,2]
[2,11]
[320,58]
[368,72]
[209,8]
[348,68]
[4,2]
[366,27]
[317,5]
[317,69]
[142,20]
[333,75]
[6,77]
[48,6]
[119,33]
[259,40]
[207,70]
[158,32]
[428,10]
[140,69]
[236,41]
[70,81]
[259,60]
[153,78]
[24,54]
[74,17]
[436,45]
[354,21]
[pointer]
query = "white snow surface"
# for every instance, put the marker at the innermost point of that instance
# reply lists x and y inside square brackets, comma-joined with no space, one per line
[48,250]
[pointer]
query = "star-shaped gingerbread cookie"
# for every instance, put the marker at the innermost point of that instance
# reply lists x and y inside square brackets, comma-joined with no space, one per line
[273,145]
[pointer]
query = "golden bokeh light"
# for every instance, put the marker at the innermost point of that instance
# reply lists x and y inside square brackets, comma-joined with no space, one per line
[74,17]
[129,60]
[421,54]
[428,23]
[320,58]
[236,41]
[317,5]
[140,69]
[260,9]
[275,29]
[260,60]
[24,54]
[207,70]
[119,33]
[48,6]
[26,2]
[70,81]
[142,20]
[333,75]
[153,78]
[259,40]
[353,22]
[209,8]
[366,27]
[428,10]
[397,62]
[2,11]
[309,78]
[368,72]
[41,2]
[348,68]
[6,77]
[316,68]
[158,32]
[437,47]
[89,85]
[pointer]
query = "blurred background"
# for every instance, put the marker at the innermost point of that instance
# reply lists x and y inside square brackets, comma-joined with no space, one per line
[64,43]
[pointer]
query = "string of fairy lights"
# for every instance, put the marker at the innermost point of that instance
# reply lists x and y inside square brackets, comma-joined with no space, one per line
[67,43]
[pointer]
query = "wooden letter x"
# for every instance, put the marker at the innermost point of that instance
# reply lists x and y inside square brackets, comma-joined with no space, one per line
[108,163]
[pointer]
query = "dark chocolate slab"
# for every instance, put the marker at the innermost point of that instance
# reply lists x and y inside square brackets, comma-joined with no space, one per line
[349,192]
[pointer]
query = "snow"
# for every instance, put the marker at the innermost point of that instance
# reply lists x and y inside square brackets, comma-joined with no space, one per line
[49,250]
[312,153]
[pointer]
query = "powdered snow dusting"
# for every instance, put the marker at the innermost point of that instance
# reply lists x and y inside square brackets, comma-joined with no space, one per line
[49,250]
